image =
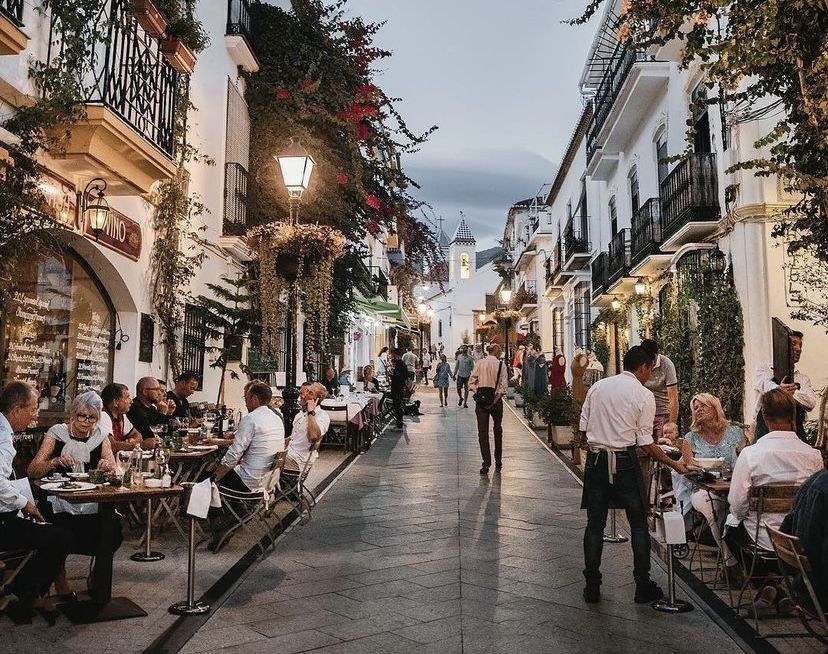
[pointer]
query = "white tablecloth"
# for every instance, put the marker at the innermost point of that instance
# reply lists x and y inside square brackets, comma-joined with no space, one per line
[357,404]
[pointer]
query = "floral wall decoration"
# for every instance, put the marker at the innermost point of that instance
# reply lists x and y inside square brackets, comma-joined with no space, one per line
[313,249]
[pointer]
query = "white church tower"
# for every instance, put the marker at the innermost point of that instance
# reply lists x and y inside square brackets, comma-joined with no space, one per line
[462,254]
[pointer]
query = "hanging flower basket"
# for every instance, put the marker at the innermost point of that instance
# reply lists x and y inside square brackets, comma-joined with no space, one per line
[301,254]
[178,54]
[149,17]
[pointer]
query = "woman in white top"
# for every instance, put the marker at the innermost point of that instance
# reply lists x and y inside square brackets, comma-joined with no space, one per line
[78,445]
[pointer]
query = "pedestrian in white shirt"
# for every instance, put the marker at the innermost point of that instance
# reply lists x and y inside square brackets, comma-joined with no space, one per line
[309,426]
[799,388]
[490,373]
[617,416]
[780,457]
[259,437]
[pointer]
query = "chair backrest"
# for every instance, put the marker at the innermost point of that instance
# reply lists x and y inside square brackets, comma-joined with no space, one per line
[772,498]
[333,410]
[276,469]
[789,549]
[306,468]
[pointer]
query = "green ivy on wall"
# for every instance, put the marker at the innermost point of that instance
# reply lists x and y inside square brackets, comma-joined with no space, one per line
[605,321]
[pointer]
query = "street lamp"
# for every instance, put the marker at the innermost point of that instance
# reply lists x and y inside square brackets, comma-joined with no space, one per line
[505,297]
[422,309]
[615,304]
[94,205]
[640,286]
[296,166]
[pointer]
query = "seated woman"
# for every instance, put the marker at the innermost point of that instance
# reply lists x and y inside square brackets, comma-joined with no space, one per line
[712,436]
[370,381]
[330,382]
[80,445]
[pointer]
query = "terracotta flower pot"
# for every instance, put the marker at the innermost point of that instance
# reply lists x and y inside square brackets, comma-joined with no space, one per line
[149,17]
[179,56]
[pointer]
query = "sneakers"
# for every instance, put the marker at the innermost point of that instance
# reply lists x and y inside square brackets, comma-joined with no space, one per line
[647,592]
[592,594]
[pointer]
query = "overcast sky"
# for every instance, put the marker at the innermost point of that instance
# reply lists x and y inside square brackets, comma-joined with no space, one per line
[501,81]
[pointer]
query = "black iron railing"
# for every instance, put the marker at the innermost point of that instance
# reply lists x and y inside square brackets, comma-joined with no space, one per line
[621,62]
[380,282]
[574,241]
[556,264]
[583,322]
[238,17]
[618,256]
[235,200]
[646,230]
[130,76]
[599,275]
[13,10]
[690,193]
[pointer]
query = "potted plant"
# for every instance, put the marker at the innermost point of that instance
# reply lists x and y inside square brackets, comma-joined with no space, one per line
[151,19]
[185,36]
[556,413]
[520,389]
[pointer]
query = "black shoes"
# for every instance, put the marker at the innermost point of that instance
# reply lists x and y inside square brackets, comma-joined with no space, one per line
[592,594]
[465,406]
[498,467]
[647,592]
[460,402]
[484,470]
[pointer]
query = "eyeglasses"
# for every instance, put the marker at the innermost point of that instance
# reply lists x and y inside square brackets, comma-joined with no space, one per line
[82,417]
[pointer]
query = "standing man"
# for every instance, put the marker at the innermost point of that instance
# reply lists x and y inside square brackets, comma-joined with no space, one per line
[149,407]
[410,361]
[799,389]
[663,384]
[432,351]
[185,385]
[490,373]
[18,408]
[399,378]
[117,401]
[617,416]
[463,367]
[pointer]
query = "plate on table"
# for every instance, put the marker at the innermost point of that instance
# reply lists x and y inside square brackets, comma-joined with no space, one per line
[69,486]
[78,476]
[201,448]
[51,479]
[710,463]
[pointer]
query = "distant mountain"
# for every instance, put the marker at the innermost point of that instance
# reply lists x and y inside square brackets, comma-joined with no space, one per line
[487,256]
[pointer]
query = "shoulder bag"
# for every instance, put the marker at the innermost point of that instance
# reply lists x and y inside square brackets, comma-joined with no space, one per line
[485,395]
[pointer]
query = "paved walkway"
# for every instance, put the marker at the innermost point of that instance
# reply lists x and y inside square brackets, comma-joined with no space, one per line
[413,551]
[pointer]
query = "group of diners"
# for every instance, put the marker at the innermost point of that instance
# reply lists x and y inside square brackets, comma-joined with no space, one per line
[98,426]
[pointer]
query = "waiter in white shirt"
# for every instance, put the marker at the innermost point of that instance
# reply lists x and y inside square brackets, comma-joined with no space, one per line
[800,389]
[617,416]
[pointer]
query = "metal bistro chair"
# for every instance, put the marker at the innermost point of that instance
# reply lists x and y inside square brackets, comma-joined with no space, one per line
[339,431]
[16,559]
[256,506]
[772,498]
[294,491]
[793,564]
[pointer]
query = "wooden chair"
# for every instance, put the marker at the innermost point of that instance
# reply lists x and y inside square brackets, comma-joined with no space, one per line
[292,488]
[339,431]
[772,498]
[794,566]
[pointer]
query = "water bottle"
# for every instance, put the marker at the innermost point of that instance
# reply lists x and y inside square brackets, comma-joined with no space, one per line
[160,463]
[137,466]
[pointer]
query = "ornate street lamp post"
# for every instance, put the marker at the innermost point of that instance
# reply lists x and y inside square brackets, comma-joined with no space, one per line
[506,297]
[296,166]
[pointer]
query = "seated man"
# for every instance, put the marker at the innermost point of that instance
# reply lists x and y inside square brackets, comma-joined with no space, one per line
[308,428]
[149,408]
[778,458]
[259,437]
[117,401]
[808,521]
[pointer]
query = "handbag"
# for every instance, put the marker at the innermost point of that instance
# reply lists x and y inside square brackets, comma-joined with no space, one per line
[485,395]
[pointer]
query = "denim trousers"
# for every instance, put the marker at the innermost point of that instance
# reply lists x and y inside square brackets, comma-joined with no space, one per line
[623,492]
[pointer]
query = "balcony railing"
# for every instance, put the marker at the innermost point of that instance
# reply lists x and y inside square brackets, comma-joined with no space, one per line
[690,193]
[238,18]
[574,241]
[556,264]
[235,200]
[618,256]
[623,59]
[13,10]
[599,275]
[646,230]
[131,76]
[380,281]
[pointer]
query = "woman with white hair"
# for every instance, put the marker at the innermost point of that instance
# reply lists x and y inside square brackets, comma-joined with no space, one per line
[79,445]
[712,436]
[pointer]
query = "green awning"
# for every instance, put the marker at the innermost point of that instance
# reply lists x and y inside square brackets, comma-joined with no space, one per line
[380,308]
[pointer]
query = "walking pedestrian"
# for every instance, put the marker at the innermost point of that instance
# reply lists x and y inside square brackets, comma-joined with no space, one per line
[425,366]
[442,376]
[432,351]
[410,361]
[463,367]
[399,378]
[489,383]
[618,416]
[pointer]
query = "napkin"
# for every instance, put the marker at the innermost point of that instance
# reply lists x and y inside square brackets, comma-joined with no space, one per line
[201,495]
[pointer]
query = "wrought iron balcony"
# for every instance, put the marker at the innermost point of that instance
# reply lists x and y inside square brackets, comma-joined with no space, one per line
[599,275]
[380,282]
[690,194]
[618,256]
[576,245]
[13,10]
[646,231]
[238,18]
[555,267]
[235,200]
[621,63]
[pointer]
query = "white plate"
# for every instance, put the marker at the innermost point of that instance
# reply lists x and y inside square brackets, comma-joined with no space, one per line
[56,486]
[709,463]
[55,479]
[201,448]
[78,476]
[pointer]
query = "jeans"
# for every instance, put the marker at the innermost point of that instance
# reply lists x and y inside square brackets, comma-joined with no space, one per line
[625,492]
[496,412]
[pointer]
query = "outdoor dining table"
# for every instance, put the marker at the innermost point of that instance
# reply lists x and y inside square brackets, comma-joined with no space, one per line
[719,488]
[362,407]
[102,606]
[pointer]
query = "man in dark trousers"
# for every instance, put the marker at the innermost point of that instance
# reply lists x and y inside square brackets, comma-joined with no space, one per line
[617,416]
[490,372]
[399,377]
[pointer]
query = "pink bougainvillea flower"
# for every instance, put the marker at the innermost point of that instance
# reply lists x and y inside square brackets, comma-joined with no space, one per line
[282,94]
[373,227]
[308,84]
[363,131]
[373,201]
[341,178]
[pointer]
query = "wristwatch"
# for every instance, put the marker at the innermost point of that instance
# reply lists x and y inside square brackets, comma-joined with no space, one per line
[311,413]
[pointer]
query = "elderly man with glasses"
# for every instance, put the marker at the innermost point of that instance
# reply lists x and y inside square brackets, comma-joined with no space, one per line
[149,407]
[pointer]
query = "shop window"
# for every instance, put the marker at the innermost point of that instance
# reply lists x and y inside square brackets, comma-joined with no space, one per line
[58,332]
[194,343]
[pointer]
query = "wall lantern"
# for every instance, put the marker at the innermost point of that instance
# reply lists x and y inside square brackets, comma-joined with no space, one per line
[94,205]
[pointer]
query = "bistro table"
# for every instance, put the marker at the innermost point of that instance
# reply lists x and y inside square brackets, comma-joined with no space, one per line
[362,407]
[715,488]
[103,607]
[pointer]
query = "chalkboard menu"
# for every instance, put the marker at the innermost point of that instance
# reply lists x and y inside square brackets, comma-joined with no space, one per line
[57,332]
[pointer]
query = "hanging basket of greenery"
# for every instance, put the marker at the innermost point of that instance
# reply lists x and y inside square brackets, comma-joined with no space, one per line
[304,254]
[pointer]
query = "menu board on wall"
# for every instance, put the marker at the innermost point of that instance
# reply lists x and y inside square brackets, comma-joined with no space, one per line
[92,353]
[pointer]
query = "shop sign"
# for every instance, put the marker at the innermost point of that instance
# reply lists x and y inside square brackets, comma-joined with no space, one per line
[121,234]
[60,199]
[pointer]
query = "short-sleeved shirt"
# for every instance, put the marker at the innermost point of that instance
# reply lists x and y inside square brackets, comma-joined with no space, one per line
[299,446]
[618,412]
[662,377]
